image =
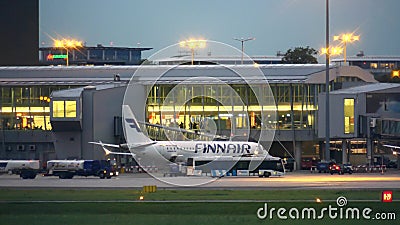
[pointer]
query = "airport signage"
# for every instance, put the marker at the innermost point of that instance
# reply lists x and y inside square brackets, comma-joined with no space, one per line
[52,57]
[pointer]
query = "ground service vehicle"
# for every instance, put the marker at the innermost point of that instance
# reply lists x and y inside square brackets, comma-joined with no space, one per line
[67,169]
[239,166]
[27,169]
[340,169]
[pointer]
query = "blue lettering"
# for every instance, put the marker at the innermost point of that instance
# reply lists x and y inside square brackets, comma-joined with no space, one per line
[133,124]
[197,147]
[221,147]
[211,147]
[246,147]
[238,149]
[231,147]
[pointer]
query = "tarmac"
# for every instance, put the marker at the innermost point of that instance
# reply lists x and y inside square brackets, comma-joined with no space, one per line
[291,180]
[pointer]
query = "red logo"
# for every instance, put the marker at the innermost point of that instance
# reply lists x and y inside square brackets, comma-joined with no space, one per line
[387,196]
[50,57]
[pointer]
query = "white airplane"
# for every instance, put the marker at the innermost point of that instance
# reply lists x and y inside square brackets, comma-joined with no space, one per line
[140,145]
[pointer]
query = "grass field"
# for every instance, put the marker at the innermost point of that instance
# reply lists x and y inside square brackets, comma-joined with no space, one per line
[47,206]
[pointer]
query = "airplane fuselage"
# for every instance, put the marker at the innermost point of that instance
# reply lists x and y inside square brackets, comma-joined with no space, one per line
[189,149]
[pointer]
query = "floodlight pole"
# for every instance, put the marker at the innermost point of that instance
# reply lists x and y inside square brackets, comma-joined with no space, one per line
[346,38]
[192,44]
[243,40]
[67,59]
[327,119]
[192,51]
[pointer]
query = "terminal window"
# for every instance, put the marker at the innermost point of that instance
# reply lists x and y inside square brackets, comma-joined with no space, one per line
[58,108]
[70,109]
[64,109]
[348,115]
[374,65]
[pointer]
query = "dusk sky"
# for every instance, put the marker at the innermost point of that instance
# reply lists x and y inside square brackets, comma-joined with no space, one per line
[277,25]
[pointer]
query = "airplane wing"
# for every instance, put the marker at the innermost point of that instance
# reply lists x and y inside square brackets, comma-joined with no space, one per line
[142,145]
[392,146]
[104,144]
[108,152]
[124,146]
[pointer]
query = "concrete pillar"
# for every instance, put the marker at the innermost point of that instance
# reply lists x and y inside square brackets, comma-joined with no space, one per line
[369,145]
[369,151]
[321,145]
[297,155]
[344,151]
[87,133]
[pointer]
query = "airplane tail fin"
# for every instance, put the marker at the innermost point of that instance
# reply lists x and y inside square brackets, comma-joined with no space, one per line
[133,133]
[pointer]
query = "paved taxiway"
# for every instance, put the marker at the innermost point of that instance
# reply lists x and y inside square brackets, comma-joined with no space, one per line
[297,180]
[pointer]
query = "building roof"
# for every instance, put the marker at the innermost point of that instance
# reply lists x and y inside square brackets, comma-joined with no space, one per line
[342,71]
[233,60]
[95,75]
[369,88]
[101,47]
[369,59]
[76,92]
[68,93]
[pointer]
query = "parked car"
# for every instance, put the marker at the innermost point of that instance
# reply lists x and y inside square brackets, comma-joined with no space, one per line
[341,169]
[308,162]
[324,166]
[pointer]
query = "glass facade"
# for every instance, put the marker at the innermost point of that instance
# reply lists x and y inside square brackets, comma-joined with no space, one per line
[284,106]
[64,109]
[373,65]
[26,107]
[347,79]
[93,55]
[70,109]
[390,127]
[58,109]
[109,55]
[348,115]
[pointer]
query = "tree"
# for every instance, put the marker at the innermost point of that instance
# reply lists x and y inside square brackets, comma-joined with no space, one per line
[300,55]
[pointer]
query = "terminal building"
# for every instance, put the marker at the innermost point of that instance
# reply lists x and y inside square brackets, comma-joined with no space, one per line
[53,112]
[369,116]
[381,67]
[86,55]
[224,60]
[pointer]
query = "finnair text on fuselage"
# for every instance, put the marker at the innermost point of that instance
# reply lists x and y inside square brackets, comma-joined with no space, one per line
[223,148]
